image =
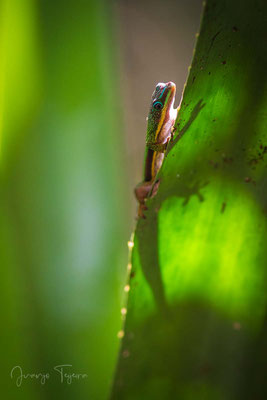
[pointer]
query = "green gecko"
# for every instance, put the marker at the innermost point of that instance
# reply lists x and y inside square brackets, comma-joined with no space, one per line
[160,127]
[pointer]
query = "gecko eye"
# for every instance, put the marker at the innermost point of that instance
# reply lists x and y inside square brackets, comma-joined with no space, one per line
[158,105]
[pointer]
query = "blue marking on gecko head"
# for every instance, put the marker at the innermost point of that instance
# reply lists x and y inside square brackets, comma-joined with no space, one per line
[163,91]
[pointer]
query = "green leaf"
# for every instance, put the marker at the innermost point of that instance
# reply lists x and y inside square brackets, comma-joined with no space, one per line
[196,322]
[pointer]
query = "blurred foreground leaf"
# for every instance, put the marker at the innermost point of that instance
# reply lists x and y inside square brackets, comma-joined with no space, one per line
[196,319]
[62,198]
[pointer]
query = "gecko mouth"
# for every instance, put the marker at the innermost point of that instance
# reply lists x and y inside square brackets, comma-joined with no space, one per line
[172,87]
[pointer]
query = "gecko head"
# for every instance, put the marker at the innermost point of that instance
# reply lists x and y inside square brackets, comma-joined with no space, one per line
[163,96]
[161,108]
